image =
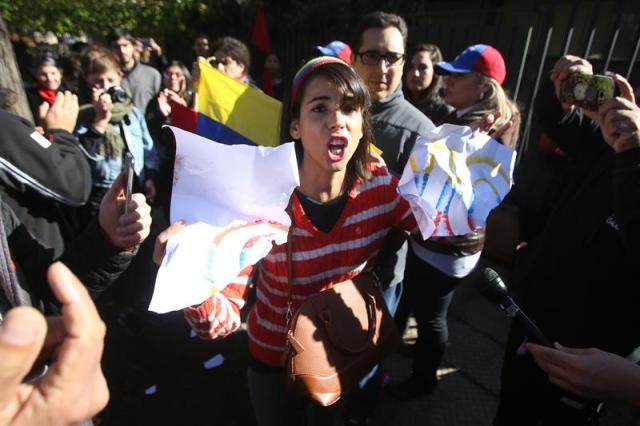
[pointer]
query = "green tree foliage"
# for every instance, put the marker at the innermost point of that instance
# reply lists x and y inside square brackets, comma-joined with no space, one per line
[96,17]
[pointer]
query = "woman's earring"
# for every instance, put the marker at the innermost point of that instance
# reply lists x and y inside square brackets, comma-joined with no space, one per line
[482,95]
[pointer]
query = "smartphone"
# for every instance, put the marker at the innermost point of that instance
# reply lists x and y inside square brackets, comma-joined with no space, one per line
[587,91]
[128,168]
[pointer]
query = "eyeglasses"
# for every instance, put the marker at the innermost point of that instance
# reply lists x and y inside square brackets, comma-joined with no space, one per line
[373,57]
[224,61]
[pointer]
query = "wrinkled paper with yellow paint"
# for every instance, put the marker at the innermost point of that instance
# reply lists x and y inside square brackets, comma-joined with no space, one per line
[454,179]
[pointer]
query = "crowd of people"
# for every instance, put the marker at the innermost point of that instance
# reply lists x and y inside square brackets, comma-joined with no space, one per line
[64,193]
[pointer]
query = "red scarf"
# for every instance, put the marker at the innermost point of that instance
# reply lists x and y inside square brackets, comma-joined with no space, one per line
[49,95]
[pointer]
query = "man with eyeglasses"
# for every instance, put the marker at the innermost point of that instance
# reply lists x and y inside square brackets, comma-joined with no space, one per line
[378,56]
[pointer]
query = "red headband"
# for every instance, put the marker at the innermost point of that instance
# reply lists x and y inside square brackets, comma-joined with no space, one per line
[306,69]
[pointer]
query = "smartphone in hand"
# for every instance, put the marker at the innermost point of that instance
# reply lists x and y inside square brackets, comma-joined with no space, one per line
[128,168]
[587,91]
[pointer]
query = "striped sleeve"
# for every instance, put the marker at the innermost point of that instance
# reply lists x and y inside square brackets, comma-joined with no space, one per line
[219,315]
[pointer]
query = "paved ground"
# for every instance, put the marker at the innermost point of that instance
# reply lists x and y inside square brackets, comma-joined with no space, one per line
[469,377]
[171,378]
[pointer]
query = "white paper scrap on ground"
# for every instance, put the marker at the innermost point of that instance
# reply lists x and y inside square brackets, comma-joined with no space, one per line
[213,362]
[233,199]
[454,179]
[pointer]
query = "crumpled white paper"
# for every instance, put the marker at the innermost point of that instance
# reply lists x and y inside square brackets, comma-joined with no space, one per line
[233,199]
[454,179]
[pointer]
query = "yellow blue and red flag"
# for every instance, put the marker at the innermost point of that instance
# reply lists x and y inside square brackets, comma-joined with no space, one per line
[229,111]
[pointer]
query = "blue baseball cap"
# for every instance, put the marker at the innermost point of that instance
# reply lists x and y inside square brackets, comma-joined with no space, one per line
[338,49]
[480,58]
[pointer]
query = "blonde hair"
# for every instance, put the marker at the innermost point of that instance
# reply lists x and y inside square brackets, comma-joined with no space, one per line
[495,99]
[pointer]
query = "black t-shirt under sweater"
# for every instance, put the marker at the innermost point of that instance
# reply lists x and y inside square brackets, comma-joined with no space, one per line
[323,215]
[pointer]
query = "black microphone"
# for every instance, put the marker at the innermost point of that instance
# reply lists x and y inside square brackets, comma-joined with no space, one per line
[494,289]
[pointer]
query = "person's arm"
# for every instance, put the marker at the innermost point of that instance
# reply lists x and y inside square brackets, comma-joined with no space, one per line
[219,315]
[98,255]
[151,158]
[626,200]
[590,373]
[52,165]
[620,124]
[90,139]
[568,127]
[112,239]
[159,58]
[157,80]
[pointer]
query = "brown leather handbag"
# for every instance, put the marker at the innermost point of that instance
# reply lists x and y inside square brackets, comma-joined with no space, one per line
[336,336]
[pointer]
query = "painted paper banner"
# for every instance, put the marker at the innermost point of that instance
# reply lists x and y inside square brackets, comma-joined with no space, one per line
[453,179]
[232,216]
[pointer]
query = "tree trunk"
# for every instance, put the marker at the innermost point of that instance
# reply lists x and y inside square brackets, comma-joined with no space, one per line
[10,75]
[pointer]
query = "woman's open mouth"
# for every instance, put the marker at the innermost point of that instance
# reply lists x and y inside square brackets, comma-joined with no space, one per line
[337,148]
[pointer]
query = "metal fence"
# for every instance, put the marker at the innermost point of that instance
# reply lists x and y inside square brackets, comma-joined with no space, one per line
[530,36]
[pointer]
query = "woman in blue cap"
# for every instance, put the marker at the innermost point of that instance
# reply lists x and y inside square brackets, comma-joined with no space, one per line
[472,85]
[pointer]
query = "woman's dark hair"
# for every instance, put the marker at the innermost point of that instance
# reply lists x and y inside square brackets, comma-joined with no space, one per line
[233,47]
[347,81]
[46,60]
[118,33]
[72,71]
[431,93]
[185,92]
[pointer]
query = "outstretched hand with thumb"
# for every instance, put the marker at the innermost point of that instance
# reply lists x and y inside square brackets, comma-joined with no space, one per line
[73,388]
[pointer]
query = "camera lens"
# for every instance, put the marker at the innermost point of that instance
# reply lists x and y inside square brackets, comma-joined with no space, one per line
[118,94]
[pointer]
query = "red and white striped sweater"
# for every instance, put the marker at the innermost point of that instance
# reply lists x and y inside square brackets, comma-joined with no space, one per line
[319,261]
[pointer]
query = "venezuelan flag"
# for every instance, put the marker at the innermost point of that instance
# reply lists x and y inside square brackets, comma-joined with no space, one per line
[229,111]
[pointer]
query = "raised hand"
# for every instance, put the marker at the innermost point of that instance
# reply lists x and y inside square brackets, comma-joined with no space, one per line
[564,67]
[590,373]
[103,105]
[163,103]
[63,114]
[162,238]
[619,118]
[124,229]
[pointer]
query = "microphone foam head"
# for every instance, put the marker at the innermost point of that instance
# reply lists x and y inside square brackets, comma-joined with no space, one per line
[492,287]
[490,274]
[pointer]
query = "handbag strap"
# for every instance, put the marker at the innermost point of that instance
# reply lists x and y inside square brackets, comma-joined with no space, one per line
[289,211]
[289,314]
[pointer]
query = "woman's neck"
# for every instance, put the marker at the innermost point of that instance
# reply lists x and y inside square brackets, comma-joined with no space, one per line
[320,185]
